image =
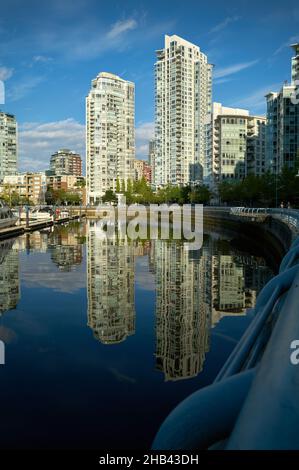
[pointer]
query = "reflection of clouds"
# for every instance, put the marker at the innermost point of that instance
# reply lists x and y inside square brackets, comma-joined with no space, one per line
[7,335]
[122,377]
[225,337]
[143,278]
[36,271]
[58,281]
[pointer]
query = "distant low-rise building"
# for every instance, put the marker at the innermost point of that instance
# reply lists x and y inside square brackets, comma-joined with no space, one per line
[147,172]
[65,182]
[68,183]
[142,170]
[138,169]
[31,186]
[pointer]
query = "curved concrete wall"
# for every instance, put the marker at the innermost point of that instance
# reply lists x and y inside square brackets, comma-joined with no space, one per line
[271,237]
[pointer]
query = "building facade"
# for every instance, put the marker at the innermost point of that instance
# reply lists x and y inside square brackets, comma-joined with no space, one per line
[142,170]
[65,182]
[147,172]
[183,95]
[256,145]
[30,186]
[283,122]
[66,162]
[110,134]
[237,145]
[151,157]
[8,145]
[138,169]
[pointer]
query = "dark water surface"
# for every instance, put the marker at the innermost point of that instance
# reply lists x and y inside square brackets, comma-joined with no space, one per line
[104,338]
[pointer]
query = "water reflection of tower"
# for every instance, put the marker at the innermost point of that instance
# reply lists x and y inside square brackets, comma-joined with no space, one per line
[9,277]
[237,279]
[182,310]
[66,246]
[110,280]
[231,285]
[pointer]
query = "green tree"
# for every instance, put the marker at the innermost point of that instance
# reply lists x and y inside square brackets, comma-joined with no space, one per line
[200,195]
[109,196]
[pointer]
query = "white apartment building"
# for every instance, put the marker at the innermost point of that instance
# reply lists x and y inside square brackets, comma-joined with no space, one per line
[8,145]
[183,95]
[110,134]
[237,144]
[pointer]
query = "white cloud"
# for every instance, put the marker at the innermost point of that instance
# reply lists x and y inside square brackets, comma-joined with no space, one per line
[23,88]
[290,41]
[220,81]
[5,73]
[38,141]
[223,24]
[231,69]
[41,58]
[256,101]
[144,132]
[58,281]
[121,27]
[85,42]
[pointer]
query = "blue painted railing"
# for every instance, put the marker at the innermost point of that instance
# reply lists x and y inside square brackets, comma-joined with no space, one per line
[254,401]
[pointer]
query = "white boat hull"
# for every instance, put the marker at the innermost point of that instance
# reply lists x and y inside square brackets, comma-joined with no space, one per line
[9,222]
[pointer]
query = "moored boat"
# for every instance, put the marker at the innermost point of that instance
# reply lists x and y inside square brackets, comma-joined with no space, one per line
[7,218]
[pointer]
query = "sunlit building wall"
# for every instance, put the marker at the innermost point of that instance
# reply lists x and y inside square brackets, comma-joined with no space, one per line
[110,134]
[183,96]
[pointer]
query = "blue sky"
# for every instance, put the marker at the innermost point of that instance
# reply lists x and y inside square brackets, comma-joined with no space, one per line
[50,51]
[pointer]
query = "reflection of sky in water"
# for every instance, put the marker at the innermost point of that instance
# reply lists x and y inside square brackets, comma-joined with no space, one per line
[103,339]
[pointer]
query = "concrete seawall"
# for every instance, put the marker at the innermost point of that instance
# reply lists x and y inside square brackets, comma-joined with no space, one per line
[271,237]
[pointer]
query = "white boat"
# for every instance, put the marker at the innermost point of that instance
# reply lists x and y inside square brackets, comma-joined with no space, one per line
[64,214]
[37,214]
[7,219]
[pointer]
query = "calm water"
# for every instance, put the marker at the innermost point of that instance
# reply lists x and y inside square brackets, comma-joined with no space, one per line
[104,339]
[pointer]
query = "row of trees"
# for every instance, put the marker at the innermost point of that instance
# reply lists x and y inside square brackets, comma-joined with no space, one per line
[14,199]
[141,192]
[268,190]
[60,196]
[52,197]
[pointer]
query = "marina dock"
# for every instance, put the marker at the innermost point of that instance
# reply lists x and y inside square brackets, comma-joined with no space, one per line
[17,230]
